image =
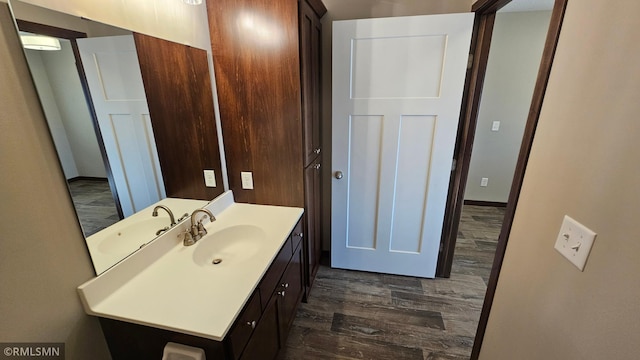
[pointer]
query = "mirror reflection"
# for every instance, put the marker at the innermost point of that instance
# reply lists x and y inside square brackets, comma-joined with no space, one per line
[90,83]
[70,121]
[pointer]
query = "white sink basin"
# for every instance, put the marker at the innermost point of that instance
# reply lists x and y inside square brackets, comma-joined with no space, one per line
[123,240]
[230,245]
[109,246]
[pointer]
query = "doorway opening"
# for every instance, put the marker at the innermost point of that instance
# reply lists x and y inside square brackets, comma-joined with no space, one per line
[60,82]
[517,43]
[486,14]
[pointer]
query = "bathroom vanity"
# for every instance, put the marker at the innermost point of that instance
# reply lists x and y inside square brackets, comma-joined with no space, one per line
[112,244]
[233,294]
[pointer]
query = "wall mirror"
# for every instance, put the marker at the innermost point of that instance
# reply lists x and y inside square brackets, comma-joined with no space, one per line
[131,117]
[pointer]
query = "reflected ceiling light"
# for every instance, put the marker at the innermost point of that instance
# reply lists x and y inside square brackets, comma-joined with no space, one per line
[259,29]
[192,2]
[39,42]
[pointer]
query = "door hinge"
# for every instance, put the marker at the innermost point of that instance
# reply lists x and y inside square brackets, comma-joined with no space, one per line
[453,164]
[470,62]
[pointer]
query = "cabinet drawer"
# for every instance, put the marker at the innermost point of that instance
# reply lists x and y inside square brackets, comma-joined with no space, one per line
[272,276]
[296,236]
[264,343]
[244,325]
[290,291]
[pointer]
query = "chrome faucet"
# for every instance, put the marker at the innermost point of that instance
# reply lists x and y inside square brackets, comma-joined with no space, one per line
[171,217]
[155,213]
[197,230]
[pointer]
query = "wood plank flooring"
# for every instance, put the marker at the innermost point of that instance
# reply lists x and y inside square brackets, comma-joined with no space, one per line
[360,315]
[94,204]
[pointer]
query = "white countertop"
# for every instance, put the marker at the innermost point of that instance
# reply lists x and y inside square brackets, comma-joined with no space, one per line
[141,225]
[162,286]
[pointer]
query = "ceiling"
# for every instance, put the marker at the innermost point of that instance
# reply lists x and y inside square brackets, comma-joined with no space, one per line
[528,5]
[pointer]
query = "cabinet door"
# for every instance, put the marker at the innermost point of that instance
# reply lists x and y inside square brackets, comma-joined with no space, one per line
[245,325]
[269,282]
[312,224]
[289,294]
[265,342]
[310,77]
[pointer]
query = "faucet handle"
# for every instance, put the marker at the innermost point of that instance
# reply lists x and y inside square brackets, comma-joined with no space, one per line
[162,230]
[186,215]
[201,229]
[188,239]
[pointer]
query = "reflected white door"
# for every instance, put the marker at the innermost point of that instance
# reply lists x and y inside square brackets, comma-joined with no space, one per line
[397,90]
[115,82]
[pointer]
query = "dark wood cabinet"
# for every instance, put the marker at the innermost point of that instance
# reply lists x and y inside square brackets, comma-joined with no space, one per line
[312,218]
[258,333]
[265,343]
[271,279]
[310,34]
[256,59]
[269,92]
[180,101]
[245,325]
[310,79]
[290,294]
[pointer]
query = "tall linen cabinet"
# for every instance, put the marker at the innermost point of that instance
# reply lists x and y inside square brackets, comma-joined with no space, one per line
[266,56]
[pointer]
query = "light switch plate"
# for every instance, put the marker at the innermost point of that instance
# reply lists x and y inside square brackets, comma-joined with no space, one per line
[574,242]
[247,180]
[209,178]
[484,182]
[495,126]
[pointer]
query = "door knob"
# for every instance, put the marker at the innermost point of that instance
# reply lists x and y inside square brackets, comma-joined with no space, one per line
[338,174]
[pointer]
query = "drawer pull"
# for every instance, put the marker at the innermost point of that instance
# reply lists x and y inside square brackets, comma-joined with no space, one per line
[285,285]
[252,324]
[317,151]
[281,293]
[300,235]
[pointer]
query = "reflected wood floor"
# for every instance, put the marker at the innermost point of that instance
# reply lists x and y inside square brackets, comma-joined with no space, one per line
[94,204]
[360,315]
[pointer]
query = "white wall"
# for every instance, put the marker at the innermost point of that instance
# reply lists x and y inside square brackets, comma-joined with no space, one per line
[361,9]
[63,101]
[43,257]
[67,90]
[584,163]
[52,113]
[166,19]
[514,58]
[40,15]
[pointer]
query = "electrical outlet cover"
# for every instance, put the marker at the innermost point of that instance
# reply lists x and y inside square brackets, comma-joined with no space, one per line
[574,242]
[247,180]
[209,178]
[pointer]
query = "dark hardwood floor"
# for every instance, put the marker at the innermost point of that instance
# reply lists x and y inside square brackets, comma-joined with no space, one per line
[94,204]
[360,315]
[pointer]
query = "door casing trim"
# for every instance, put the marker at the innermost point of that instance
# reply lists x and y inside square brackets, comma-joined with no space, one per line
[485,11]
[72,36]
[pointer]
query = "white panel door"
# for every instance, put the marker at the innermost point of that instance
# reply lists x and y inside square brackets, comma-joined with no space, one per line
[397,90]
[115,82]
